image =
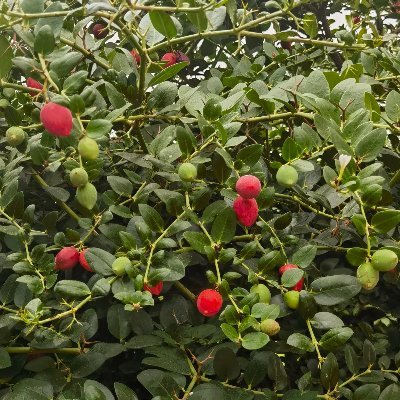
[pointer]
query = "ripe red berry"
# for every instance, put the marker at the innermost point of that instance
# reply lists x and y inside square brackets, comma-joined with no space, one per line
[248,186]
[169,59]
[56,119]
[246,210]
[66,258]
[83,261]
[32,83]
[154,290]
[99,31]
[299,285]
[209,302]
[136,56]
[356,19]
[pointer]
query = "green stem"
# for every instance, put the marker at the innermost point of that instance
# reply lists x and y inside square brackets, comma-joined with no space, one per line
[355,377]
[44,185]
[64,314]
[30,350]
[314,342]
[360,203]
[154,246]
[185,291]
[46,72]
[273,233]
[21,88]
[189,389]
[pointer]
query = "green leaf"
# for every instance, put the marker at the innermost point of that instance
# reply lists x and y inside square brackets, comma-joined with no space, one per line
[100,261]
[152,218]
[335,289]
[393,106]
[6,55]
[304,256]
[335,338]
[120,185]
[71,289]
[310,25]
[352,361]
[186,140]
[97,128]
[123,392]
[330,372]
[163,23]
[290,150]
[94,391]
[301,342]
[75,82]
[384,221]
[265,311]
[197,241]
[292,276]
[167,73]
[44,40]
[226,364]
[367,392]
[326,320]
[5,360]
[255,340]
[224,227]
[32,6]
[230,332]
[391,392]
[371,145]
[250,155]
[198,19]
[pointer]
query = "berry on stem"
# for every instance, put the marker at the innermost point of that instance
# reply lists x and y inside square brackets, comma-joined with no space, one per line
[136,56]
[34,84]
[248,186]
[78,177]
[287,176]
[88,148]
[66,258]
[187,172]
[15,136]
[270,327]
[246,210]
[99,31]
[384,260]
[209,302]
[56,119]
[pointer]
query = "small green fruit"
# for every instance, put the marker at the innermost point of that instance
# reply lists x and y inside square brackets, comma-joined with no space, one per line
[87,195]
[120,264]
[263,293]
[270,327]
[4,103]
[287,176]
[187,172]
[15,136]
[88,148]
[212,110]
[384,260]
[78,177]
[367,275]
[292,299]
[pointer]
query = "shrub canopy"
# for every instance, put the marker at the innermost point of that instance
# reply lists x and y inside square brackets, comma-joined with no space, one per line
[233,88]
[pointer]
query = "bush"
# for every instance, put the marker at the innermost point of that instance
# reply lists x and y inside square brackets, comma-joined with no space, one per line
[154,110]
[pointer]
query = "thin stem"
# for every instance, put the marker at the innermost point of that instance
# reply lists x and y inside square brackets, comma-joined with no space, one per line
[30,350]
[64,314]
[360,203]
[185,291]
[46,72]
[273,233]
[314,342]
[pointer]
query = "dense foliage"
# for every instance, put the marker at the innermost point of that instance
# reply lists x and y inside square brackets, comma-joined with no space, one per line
[125,126]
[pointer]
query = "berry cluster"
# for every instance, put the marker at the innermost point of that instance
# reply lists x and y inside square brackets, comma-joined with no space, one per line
[69,257]
[245,205]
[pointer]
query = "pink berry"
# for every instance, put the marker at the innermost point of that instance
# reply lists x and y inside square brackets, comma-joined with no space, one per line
[66,258]
[248,186]
[56,119]
[154,290]
[83,261]
[246,210]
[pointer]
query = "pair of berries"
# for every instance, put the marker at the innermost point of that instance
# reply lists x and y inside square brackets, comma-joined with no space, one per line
[69,257]
[245,205]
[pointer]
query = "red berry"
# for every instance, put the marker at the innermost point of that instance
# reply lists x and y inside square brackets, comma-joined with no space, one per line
[99,31]
[56,119]
[136,56]
[32,83]
[248,186]
[83,261]
[169,59]
[356,19]
[181,57]
[209,302]
[154,290]
[66,258]
[299,285]
[286,45]
[246,210]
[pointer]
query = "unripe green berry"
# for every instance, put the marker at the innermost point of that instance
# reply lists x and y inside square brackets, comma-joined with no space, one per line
[120,264]
[292,299]
[88,148]
[367,275]
[287,176]
[78,177]
[270,327]
[384,260]
[187,172]
[15,136]
[263,292]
